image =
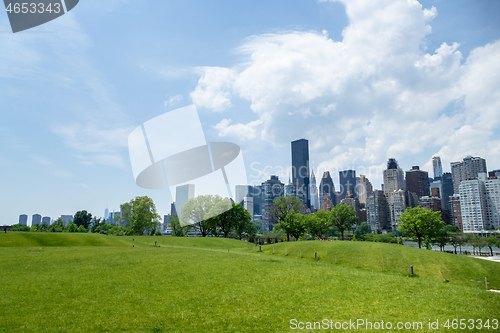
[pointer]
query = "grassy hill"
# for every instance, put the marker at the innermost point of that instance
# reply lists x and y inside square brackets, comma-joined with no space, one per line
[197,285]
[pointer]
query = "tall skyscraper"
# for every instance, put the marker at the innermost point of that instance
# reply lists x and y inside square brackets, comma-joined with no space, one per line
[347,179]
[364,189]
[393,177]
[313,192]
[46,219]
[417,181]
[352,201]
[300,169]
[377,211]
[326,187]
[23,219]
[467,169]
[438,167]
[36,219]
[106,213]
[456,211]
[182,194]
[473,205]
[397,205]
[270,190]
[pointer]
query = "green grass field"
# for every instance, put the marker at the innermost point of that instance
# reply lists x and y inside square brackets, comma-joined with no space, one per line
[95,283]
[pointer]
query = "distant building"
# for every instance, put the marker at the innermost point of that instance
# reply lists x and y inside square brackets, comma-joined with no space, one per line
[377,211]
[347,180]
[364,189]
[327,203]
[397,205]
[46,219]
[455,211]
[182,194]
[480,204]
[66,219]
[243,191]
[467,169]
[431,203]
[106,213]
[438,167]
[248,205]
[326,187]
[300,170]
[417,181]
[313,192]
[352,201]
[36,219]
[290,190]
[23,219]
[271,189]
[393,177]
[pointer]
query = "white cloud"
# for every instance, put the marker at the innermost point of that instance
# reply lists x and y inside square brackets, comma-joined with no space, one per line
[375,94]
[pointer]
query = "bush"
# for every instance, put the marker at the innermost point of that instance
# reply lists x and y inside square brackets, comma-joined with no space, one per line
[158,233]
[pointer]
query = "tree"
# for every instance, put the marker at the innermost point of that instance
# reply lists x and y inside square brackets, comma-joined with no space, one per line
[441,239]
[281,208]
[81,228]
[196,212]
[72,227]
[96,221]
[243,222]
[363,229]
[19,227]
[491,241]
[294,224]
[221,218]
[175,225]
[82,218]
[343,217]
[420,223]
[139,215]
[57,226]
[319,224]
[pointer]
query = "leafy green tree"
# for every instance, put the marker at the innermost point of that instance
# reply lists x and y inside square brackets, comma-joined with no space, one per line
[281,208]
[81,228]
[221,217]
[57,226]
[363,229]
[294,224]
[441,238]
[244,225]
[319,224]
[71,227]
[19,227]
[343,217]
[491,241]
[82,217]
[96,221]
[34,228]
[175,225]
[420,223]
[140,215]
[196,212]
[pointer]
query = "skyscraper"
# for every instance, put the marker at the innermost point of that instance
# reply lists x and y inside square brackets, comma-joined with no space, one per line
[417,181]
[23,219]
[467,169]
[377,211]
[182,194]
[300,169]
[347,179]
[326,187]
[313,192]
[36,219]
[438,167]
[364,189]
[270,190]
[393,177]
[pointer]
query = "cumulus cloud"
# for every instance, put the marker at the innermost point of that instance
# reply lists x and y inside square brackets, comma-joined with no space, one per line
[377,93]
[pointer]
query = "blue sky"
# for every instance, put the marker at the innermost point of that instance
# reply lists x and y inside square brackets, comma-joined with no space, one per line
[362,80]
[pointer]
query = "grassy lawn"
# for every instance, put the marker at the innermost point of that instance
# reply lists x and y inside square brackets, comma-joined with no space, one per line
[96,283]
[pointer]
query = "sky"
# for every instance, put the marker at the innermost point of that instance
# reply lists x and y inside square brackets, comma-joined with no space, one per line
[363,81]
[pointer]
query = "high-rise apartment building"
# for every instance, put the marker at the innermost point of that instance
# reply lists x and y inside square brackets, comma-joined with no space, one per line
[417,181]
[347,180]
[352,201]
[438,167]
[393,177]
[364,189]
[270,190]
[23,219]
[36,219]
[182,194]
[300,169]
[377,211]
[66,219]
[313,192]
[326,187]
[456,211]
[243,191]
[248,205]
[46,219]
[397,205]
[473,205]
[467,169]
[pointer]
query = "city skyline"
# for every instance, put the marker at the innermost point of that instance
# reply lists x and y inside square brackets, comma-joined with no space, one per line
[416,82]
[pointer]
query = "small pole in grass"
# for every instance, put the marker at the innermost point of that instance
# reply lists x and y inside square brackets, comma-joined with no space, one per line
[155,243]
[411,270]
[486,283]
[132,245]
[315,255]
[227,250]
[260,248]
